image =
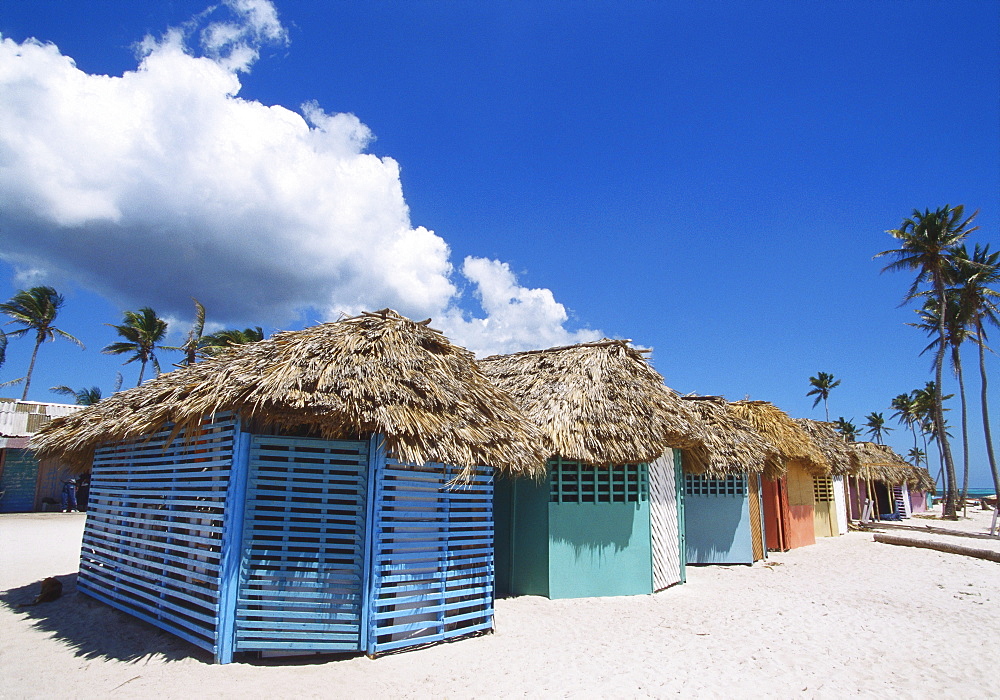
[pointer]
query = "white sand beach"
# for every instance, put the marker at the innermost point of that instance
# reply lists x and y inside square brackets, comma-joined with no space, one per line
[845,617]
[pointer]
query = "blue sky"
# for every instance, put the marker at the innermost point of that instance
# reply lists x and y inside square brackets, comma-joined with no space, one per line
[710,180]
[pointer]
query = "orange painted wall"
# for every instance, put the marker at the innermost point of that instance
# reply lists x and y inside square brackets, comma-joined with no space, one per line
[775,514]
[801,526]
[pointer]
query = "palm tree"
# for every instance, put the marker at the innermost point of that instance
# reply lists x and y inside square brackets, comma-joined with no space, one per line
[142,331]
[923,401]
[847,429]
[906,413]
[917,455]
[822,384]
[87,396]
[973,277]
[876,426]
[926,239]
[215,343]
[36,310]
[193,342]
[956,332]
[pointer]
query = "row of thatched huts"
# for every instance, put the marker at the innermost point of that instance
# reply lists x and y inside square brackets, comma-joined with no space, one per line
[366,485]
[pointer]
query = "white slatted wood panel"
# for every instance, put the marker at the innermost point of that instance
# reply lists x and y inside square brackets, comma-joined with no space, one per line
[663,522]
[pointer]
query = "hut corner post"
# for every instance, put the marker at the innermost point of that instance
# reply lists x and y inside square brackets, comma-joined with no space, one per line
[370,585]
[232,546]
[681,526]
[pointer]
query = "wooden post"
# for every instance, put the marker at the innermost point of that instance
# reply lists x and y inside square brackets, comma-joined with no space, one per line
[232,546]
[681,526]
[370,584]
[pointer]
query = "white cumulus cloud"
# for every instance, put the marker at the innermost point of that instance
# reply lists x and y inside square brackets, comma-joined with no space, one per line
[162,184]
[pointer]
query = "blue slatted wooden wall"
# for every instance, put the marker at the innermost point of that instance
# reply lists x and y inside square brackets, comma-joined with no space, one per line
[302,574]
[155,528]
[432,556]
[240,543]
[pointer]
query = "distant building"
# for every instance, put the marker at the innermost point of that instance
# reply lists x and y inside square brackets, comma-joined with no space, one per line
[25,483]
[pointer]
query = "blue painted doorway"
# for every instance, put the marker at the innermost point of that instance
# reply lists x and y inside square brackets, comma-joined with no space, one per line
[302,575]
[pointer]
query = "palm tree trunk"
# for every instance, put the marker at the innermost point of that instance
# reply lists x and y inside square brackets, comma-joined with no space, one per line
[142,370]
[965,429]
[31,366]
[986,409]
[950,502]
[826,407]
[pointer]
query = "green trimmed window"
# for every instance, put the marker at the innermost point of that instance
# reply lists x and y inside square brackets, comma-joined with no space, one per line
[573,482]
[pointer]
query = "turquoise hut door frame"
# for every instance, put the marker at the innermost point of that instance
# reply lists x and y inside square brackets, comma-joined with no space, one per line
[303,574]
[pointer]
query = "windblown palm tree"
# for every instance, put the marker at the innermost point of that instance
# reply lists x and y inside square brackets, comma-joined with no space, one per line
[35,310]
[973,277]
[87,396]
[876,426]
[193,342]
[822,384]
[925,243]
[142,331]
[906,413]
[219,341]
[847,429]
[956,332]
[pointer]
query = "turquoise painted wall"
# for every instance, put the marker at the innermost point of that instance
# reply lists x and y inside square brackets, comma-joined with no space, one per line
[717,529]
[18,481]
[530,538]
[599,549]
[503,504]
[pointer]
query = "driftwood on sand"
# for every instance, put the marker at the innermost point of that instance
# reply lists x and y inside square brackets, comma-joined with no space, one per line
[947,547]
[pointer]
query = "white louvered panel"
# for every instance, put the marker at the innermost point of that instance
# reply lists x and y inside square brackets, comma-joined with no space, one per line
[663,522]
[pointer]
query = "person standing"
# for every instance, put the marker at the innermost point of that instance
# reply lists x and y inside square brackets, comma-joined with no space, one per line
[69,495]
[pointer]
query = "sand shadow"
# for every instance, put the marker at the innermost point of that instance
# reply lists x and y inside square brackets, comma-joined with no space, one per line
[93,629]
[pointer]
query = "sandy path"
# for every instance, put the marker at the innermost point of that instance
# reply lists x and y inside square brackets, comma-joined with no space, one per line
[847,616]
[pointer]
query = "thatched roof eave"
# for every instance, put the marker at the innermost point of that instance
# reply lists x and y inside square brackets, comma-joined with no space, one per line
[730,446]
[599,403]
[374,373]
[790,444]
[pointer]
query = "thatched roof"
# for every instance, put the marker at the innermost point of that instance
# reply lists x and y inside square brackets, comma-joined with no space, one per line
[731,446]
[374,373]
[790,443]
[881,463]
[922,481]
[600,403]
[838,453]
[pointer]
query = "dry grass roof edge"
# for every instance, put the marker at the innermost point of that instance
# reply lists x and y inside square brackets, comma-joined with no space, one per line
[600,403]
[378,372]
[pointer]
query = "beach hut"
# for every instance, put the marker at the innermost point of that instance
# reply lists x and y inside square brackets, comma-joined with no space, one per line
[722,487]
[792,463]
[27,483]
[921,487]
[830,490]
[606,519]
[880,484]
[319,491]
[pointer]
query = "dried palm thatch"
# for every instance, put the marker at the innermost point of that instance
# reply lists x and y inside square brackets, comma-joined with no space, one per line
[600,403]
[790,443]
[838,453]
[730,447]
[881,463]
[375,373]
[922,481]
